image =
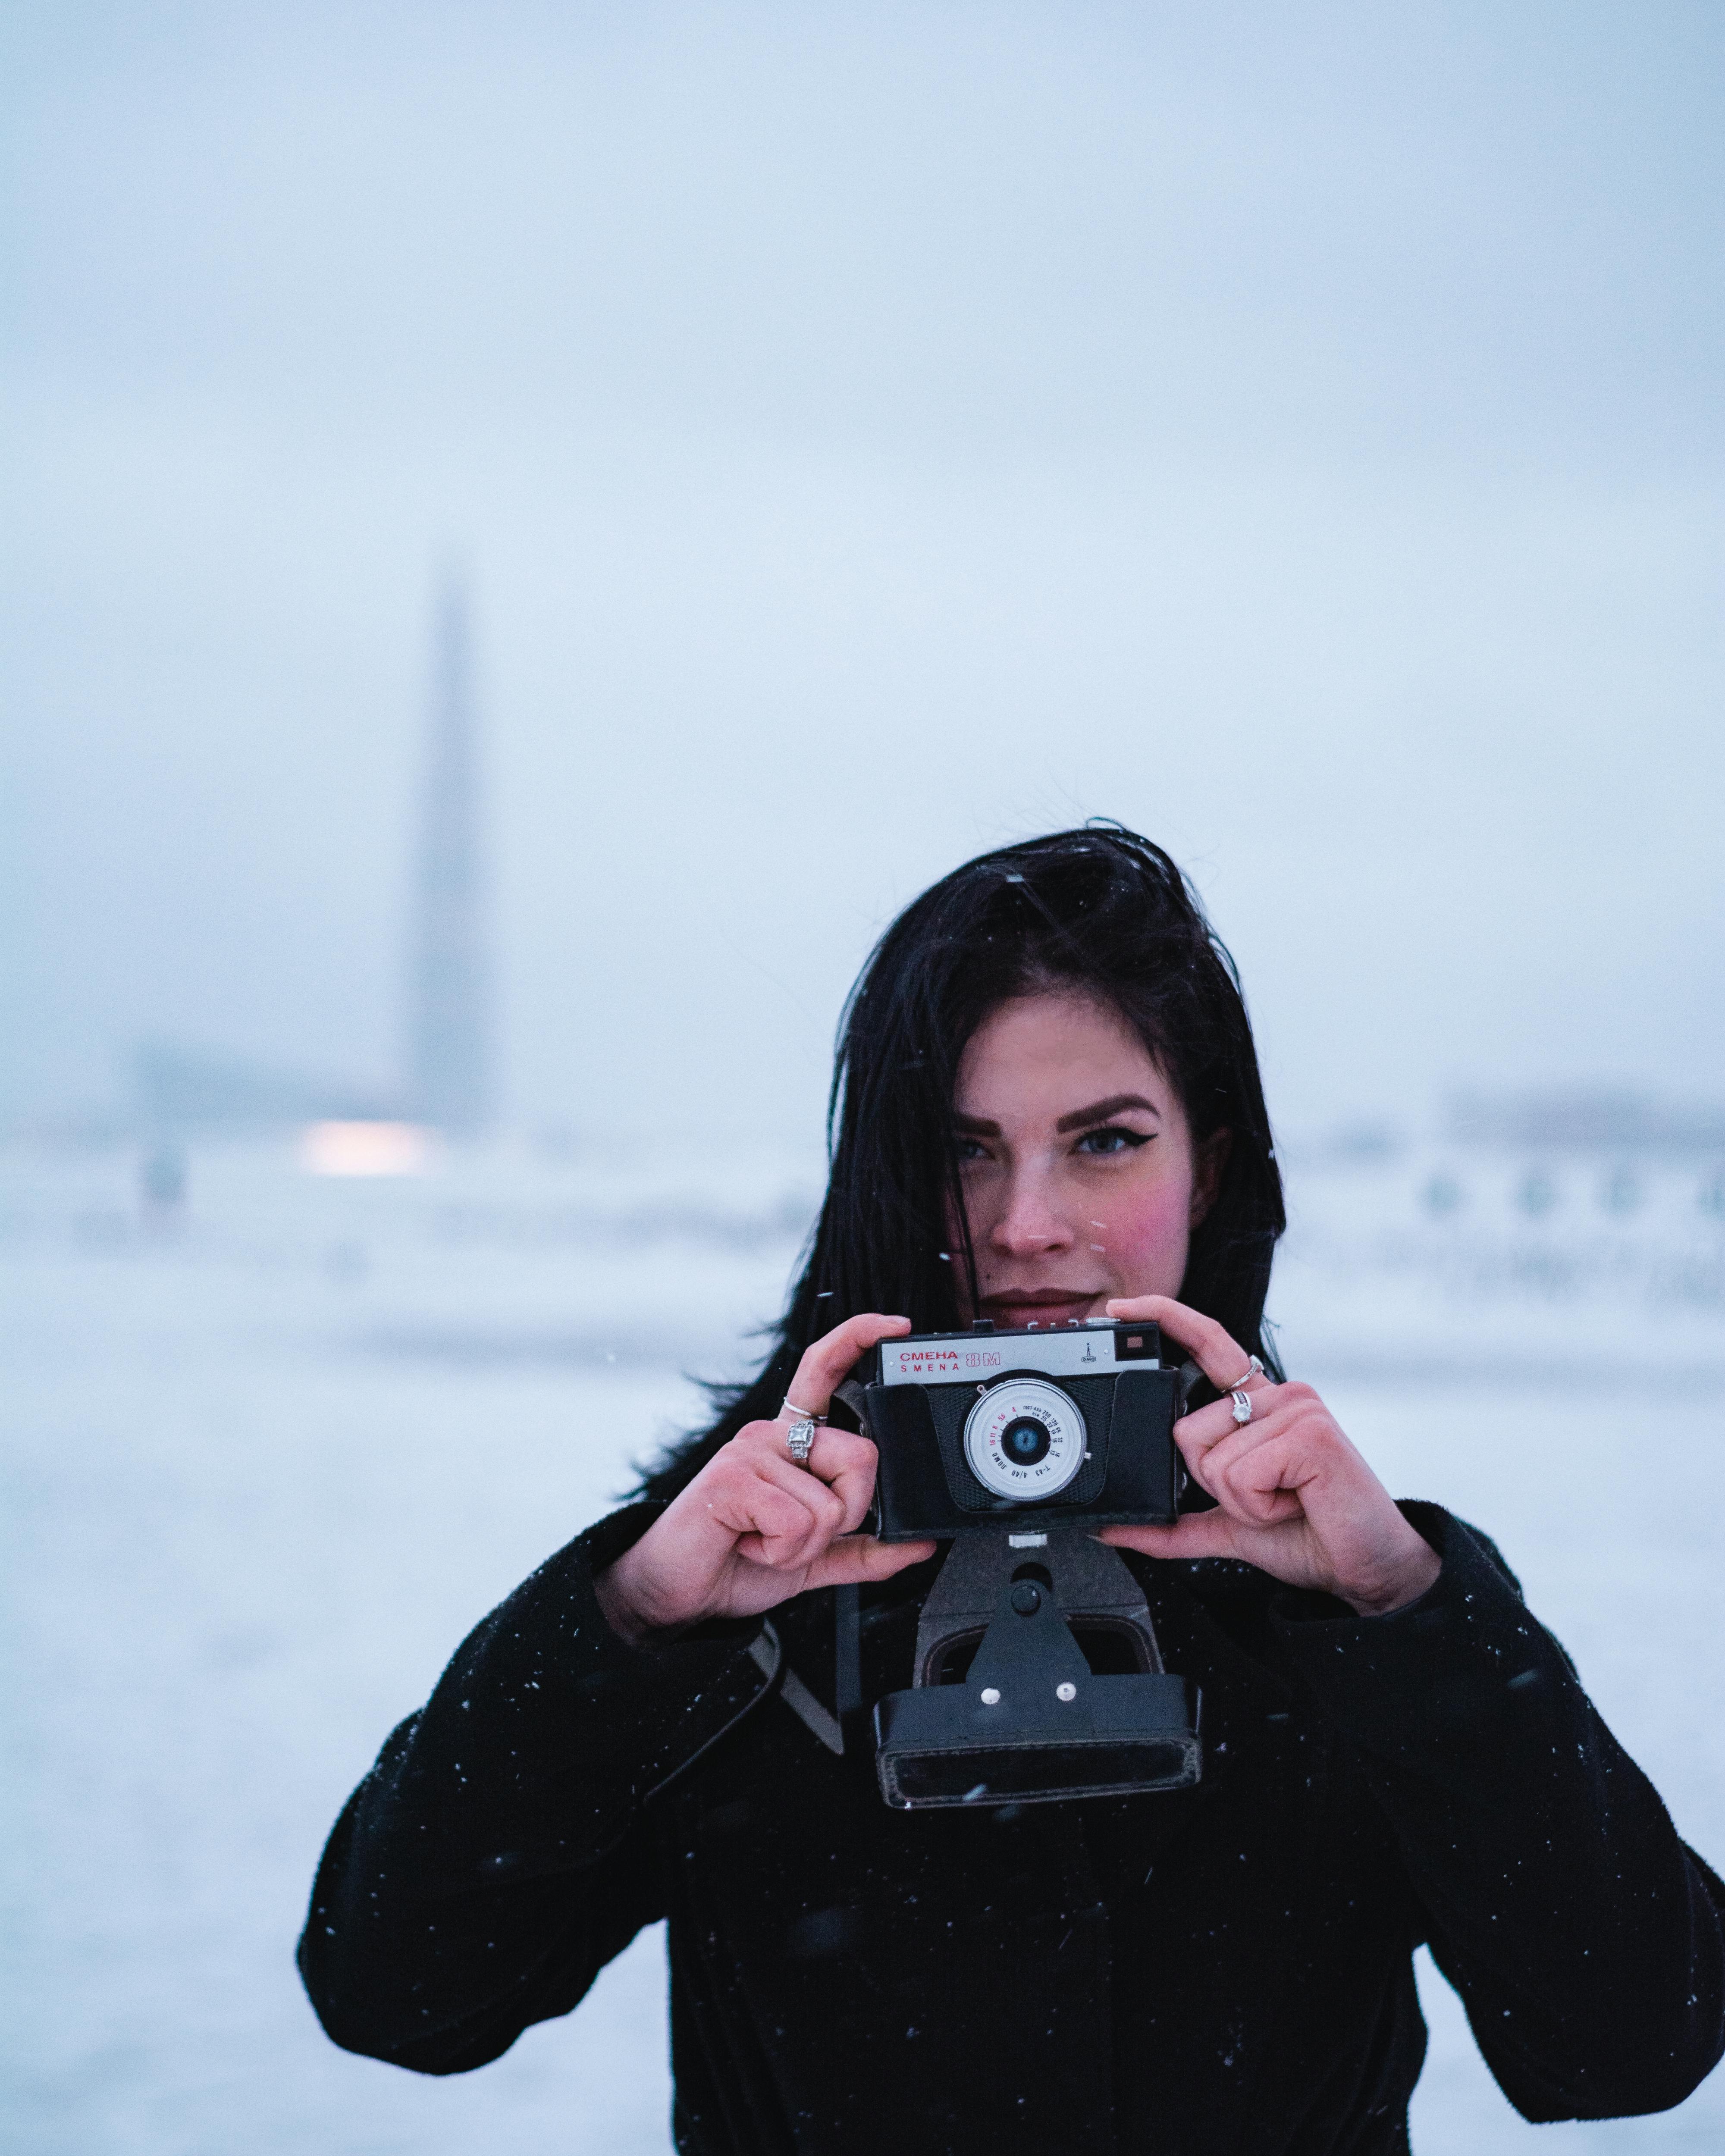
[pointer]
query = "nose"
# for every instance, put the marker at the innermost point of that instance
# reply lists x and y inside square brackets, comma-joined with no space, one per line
[1028,1223]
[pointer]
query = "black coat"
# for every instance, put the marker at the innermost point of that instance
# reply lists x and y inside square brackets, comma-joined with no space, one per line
[1219,1969]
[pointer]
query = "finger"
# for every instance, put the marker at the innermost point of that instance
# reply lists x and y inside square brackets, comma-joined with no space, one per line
[859,1557]
[793,1538]
[844,1462]
[1263,1481]
[1295,1407]
[847,1466]
[1212,1460]
[1216,1421]
[1272,1505]
[1213,1347]
[1200,1434]
[825,1365]
[1198,1534]
[773,1512]
[768,1526]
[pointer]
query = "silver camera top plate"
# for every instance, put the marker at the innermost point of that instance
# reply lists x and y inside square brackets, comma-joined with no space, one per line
[1067,1351]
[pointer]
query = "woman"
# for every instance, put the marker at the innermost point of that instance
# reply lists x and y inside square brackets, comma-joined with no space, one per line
[1047,1107]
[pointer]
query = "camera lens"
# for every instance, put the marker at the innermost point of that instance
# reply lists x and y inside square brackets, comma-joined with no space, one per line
[1025,1441]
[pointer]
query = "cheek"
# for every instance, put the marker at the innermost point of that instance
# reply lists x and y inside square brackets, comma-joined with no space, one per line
[1147,1237]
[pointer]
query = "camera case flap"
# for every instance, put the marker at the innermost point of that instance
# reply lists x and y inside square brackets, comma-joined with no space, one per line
[1072,1425]
[1007,1708]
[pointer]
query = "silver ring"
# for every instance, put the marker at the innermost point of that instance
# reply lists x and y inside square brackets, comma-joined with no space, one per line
[1254,1368]
[1242,1408]
[805,1427]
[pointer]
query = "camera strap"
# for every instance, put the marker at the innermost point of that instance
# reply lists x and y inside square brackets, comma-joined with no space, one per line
[847,1664]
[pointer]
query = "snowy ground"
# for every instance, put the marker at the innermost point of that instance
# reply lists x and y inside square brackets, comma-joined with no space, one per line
[263,1469]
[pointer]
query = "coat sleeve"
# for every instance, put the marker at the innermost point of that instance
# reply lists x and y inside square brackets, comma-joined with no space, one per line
[498,1855]
[1586,1941]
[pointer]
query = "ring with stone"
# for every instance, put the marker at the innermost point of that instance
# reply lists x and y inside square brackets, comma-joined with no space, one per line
[1242,1407]
[799,1438]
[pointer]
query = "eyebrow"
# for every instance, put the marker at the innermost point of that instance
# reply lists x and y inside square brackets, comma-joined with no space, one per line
[1081,1119]
[1099,1111]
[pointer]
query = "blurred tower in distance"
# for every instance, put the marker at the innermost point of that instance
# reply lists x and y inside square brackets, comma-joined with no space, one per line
[449,1056]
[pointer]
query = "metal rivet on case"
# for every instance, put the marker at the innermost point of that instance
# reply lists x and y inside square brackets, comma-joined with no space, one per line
[1065,1691]
[990,1696]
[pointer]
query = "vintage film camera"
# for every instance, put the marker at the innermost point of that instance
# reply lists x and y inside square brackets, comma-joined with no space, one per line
[1073,1423]
[1038,1676]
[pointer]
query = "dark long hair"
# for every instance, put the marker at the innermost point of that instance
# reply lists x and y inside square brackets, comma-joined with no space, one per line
[1100,910]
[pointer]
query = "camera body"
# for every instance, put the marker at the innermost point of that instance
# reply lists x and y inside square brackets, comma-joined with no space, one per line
[1057,1426]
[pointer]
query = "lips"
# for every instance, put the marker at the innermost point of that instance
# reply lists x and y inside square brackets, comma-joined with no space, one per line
[1040,1305]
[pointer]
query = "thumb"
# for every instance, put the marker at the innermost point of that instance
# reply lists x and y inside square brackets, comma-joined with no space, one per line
[852,1559]
[1199,1534]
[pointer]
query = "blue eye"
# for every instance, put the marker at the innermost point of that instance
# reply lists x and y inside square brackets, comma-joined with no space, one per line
[1113,1140]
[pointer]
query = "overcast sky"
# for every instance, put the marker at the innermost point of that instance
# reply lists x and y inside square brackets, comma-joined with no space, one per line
[870,433]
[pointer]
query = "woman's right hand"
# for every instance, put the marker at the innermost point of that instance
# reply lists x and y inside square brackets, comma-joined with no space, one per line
[754,1528]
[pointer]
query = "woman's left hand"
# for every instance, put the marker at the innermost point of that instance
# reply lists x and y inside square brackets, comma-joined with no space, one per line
[1293,1496]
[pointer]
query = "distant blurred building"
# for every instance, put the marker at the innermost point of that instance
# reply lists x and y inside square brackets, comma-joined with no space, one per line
[1583,1121]
[179,1087]
[161,1182]
[449,1031]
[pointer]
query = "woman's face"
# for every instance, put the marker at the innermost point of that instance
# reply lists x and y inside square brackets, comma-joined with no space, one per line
[1080,1177]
